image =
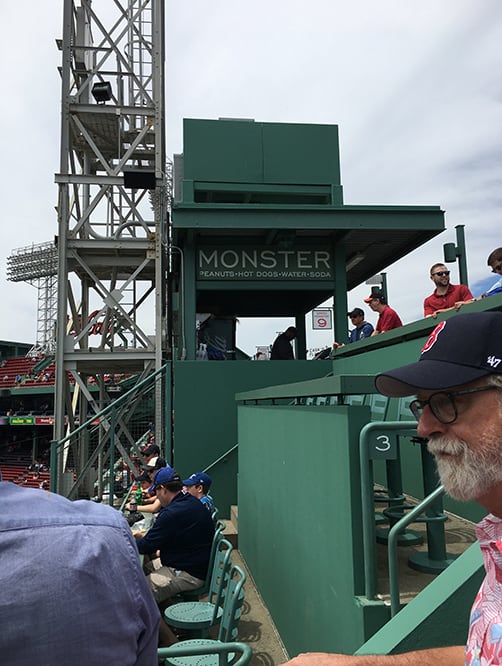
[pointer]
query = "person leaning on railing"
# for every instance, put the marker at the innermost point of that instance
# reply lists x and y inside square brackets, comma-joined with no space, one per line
[458,384]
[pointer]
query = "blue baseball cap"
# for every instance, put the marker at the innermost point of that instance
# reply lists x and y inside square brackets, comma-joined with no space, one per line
[164,475]
[198,477]
[459,350]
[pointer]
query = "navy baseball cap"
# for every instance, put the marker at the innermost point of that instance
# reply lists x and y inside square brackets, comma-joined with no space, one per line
[198,477]
[164,475]
[459,350]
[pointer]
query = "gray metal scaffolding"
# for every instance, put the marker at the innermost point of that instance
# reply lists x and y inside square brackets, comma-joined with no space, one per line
[113,202]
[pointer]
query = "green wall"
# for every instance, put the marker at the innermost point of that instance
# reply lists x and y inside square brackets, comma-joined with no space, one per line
[299,521]
[205,414]
[273,152]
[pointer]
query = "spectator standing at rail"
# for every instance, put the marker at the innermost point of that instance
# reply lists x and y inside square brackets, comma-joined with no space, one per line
[282,349]
[362,329]
[458,384]
[495,263]
[446,296]
[94,609]
[387,317]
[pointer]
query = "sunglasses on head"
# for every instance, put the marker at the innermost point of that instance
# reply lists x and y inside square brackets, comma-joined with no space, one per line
[441,273]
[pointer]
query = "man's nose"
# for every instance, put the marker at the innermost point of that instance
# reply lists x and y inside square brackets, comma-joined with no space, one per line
[429,424]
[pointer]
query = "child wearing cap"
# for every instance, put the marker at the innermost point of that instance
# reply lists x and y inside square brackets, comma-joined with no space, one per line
[198,485]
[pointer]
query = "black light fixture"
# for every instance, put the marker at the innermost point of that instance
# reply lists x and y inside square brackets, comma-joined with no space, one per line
[102,91]
[139,179]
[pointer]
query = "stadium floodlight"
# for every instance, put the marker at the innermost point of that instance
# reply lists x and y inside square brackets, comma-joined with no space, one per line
[102,92]
[27,264]
[38,266]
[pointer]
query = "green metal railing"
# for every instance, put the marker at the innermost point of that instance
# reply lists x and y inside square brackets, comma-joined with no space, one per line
[375,439]
[222,458]
[380,440]
[93,445]
[395,604]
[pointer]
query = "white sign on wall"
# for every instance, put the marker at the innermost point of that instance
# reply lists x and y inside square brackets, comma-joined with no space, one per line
[322,319]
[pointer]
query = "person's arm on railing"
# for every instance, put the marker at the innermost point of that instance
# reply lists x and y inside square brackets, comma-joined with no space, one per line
[447,656]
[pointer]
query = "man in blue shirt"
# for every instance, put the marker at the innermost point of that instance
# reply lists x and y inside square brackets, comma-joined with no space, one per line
[183,533]
[71,586]
[362,329]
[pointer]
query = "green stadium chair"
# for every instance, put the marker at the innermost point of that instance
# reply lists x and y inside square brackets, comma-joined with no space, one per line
[227,633]
[219,654]
[199,616]
[196,594]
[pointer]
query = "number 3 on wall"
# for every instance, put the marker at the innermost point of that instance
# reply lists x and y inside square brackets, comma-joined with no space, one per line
[383,443]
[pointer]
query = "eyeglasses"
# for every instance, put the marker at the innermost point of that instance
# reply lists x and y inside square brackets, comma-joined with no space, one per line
[497,268]
[441,273]
[442,404]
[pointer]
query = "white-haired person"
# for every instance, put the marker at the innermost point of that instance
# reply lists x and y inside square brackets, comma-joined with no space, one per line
[458,387]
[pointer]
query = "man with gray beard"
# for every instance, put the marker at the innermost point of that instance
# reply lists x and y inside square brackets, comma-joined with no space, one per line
[458,384]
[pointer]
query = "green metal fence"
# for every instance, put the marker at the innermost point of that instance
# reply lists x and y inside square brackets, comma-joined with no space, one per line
[96,460]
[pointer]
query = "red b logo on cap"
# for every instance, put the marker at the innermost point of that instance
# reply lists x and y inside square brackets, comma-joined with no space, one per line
[433,336]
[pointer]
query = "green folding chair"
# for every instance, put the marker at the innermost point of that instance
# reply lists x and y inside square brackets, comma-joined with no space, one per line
[227,634]
[219,654]
[199,616]
[198,592]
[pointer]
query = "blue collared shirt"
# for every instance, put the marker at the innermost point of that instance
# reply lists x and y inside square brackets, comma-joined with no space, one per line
[72,590]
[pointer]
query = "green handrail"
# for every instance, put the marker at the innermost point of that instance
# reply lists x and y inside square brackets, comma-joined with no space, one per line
[56,445]
[222,457]
[368,511]
[392,545]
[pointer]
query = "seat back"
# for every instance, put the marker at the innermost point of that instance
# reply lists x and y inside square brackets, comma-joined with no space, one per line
[232,606]
[194,595]
[220,574]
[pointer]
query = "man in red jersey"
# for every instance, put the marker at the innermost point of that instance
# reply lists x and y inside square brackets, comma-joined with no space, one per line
[388,318]
[445,296]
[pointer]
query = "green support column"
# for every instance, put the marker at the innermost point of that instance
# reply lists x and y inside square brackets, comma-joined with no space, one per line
[341,330]
[189,304]
[462,255]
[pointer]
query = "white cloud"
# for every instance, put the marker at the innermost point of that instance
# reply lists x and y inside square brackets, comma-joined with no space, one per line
[414,87]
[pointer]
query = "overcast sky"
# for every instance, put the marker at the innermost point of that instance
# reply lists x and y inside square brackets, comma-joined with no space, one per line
[414,86]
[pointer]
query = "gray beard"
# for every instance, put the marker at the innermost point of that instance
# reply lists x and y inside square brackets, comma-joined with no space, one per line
[469,474]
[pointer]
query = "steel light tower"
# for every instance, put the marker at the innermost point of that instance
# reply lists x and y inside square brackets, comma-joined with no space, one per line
[112,202]
[37,264]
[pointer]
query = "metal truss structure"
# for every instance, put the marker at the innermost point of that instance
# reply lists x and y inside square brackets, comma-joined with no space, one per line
[38,265]
[113,199]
